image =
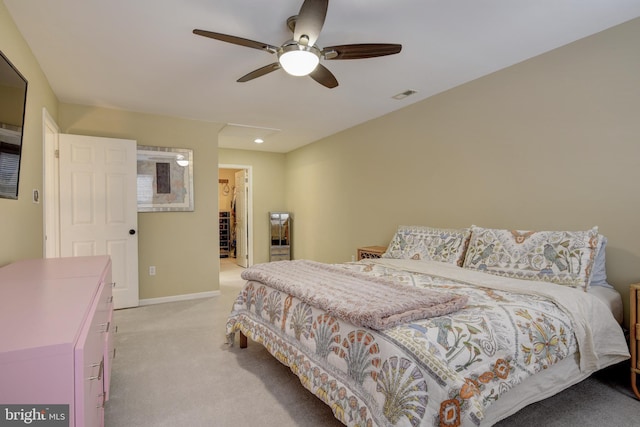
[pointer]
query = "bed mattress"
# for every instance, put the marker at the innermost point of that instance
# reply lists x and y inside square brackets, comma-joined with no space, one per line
[611,298]
[514,343]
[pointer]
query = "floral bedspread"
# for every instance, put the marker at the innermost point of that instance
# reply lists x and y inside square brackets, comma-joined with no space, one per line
[441,371]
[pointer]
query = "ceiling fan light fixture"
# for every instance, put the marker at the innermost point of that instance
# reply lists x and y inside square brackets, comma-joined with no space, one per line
[299,56]
[298,60]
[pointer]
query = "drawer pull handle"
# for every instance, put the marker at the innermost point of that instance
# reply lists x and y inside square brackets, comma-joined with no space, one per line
[99,377]
[105,326]
[113,284]
[110,300]
[104,398]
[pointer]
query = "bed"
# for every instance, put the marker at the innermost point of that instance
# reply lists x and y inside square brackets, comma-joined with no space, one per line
[451,327]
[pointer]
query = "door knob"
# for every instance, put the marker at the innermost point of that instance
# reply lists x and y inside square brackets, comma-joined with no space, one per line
[132,231]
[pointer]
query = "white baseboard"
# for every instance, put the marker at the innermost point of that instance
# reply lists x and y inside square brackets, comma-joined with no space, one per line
[183,297]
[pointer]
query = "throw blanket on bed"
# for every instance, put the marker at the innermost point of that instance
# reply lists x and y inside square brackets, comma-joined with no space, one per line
[362,300]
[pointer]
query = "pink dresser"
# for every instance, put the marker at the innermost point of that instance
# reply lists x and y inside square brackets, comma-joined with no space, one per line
[56,342]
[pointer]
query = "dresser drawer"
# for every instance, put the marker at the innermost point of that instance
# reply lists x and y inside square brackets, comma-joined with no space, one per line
[109,355]
[280,253]
[90,363]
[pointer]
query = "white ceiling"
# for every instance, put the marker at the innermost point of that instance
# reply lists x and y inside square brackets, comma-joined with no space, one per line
[141,55]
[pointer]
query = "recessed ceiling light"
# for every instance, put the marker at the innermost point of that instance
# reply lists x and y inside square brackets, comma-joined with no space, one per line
[237,135]
[258,140]
[404,94]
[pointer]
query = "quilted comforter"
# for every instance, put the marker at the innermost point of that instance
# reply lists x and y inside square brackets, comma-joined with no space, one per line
[439,371]
[340,292]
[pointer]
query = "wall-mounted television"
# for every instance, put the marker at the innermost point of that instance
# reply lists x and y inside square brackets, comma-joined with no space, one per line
[13,100]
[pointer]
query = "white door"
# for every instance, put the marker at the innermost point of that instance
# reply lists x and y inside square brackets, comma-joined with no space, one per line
[51,186]
[98,207]
[242,256]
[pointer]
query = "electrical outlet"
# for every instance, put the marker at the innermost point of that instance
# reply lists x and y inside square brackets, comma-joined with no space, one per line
[152,270]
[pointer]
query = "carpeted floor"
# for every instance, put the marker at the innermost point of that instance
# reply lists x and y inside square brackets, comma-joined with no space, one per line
[173,368]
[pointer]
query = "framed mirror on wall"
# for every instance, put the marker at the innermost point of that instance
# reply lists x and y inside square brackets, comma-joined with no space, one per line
[165,179]
[13,100]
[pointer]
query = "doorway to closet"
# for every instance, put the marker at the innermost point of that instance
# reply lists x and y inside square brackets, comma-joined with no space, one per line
[235,214]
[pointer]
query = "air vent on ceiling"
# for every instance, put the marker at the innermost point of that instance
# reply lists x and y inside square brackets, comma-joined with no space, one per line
[404,94]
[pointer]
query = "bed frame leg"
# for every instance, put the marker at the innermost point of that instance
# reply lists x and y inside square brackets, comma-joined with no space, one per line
[243,340]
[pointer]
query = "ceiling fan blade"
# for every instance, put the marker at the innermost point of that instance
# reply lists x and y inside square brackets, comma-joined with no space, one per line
[323,76]
[359,51]
[237,40]
[310,20]
[259,72]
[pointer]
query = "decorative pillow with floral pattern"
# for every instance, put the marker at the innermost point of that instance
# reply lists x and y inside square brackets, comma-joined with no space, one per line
[429,244]
[561,257]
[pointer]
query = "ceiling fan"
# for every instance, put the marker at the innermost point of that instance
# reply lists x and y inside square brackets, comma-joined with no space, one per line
[300,56]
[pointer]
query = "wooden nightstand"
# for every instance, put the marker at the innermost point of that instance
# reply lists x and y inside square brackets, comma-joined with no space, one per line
[634,336]
[368,252]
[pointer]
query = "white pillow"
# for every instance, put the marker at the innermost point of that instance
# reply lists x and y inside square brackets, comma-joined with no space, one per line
[599,272]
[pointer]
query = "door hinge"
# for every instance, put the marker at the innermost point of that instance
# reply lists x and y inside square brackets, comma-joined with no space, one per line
[56,154]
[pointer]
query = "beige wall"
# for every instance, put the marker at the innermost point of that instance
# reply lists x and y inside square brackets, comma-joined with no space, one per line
[268,192]
[182,245]
[21,225]
[550,143]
